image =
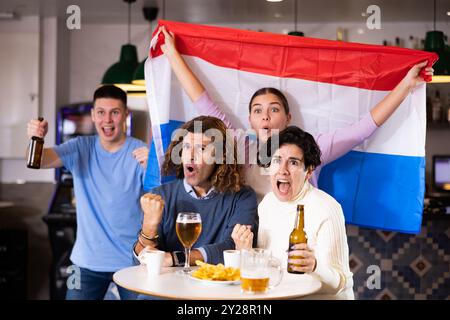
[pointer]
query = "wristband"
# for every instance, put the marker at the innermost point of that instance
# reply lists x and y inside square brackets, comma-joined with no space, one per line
[141,242]
[155,238]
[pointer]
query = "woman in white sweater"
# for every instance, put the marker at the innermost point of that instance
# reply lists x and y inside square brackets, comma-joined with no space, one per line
[326,254]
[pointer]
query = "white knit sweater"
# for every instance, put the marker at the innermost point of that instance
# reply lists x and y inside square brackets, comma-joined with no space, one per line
[325,230]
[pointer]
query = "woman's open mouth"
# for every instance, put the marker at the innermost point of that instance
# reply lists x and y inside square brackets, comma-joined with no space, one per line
[283,186]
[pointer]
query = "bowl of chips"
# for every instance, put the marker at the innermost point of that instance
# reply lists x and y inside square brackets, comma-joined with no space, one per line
[215,274]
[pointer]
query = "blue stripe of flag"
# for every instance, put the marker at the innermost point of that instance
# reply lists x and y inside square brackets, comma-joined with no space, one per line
[153,176]
[378,190]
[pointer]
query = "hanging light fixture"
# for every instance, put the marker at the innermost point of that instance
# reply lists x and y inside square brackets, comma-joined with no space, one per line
[434,42]
[295,32]
[121,73]
[139,74]
[150,14]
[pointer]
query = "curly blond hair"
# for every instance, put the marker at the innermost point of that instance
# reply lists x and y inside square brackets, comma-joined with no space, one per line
[226,177]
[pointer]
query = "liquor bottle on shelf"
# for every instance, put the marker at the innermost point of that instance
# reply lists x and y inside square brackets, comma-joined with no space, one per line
[412,43]
[416,45]
[446,111]
[429,108]
[422,44]
[437,107]
[341,34]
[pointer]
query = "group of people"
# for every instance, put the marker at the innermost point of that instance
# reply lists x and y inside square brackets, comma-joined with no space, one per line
[241,205]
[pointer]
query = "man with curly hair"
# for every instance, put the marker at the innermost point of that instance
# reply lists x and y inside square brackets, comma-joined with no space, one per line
[209,181]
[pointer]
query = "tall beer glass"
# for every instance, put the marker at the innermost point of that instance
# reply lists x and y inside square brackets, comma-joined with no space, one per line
[188,228]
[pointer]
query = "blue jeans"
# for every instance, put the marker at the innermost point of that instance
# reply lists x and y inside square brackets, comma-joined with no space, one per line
[93,286]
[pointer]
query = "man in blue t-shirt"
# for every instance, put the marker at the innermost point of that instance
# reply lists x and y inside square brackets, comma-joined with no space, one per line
[108,172]
[209,182]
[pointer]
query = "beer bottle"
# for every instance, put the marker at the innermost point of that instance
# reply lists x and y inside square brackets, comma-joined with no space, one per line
[297,235]
[35,151]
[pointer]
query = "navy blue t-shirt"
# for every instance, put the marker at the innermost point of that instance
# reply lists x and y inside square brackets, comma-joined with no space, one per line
[219,215]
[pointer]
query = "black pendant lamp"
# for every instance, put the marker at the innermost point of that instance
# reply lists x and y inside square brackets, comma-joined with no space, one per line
[295,32]
[434,42]
[121,73]
[150,14]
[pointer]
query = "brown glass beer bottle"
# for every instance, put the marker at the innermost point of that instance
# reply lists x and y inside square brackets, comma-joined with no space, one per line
[35,151]
[297,236]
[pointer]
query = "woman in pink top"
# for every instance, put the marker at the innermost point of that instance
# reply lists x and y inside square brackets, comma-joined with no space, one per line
[269,110]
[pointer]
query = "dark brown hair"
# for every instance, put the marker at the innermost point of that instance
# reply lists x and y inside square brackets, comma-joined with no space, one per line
[226,177]
[111,91]
[269,90]
[296,136]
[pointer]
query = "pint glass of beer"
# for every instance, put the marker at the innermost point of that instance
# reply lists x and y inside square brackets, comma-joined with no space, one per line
[188,228]
[257,269]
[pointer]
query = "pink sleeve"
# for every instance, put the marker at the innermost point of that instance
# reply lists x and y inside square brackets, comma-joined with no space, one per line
[335,144]
[206,106]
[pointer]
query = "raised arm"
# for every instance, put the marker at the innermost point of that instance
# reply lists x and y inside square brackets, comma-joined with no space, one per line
[152,206]
[242,236]
[189,81]
[386,107]
[191,84]
[50,158]
[335,144]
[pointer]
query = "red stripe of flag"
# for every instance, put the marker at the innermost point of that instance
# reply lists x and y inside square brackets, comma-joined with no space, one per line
[364,66]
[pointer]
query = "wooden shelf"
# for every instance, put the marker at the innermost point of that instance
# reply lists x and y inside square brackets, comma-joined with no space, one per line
[438,125]
[435,216]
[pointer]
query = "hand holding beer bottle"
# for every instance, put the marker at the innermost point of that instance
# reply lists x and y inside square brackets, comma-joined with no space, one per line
[300,258]
[36,130]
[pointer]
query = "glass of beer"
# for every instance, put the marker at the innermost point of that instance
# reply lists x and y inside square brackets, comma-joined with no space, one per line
[257,269]
[188,228]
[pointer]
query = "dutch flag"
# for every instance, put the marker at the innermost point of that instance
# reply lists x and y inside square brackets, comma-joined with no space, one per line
[329,84]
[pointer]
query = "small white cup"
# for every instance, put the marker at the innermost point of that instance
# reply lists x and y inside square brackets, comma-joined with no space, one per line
[232,258]
[153,259]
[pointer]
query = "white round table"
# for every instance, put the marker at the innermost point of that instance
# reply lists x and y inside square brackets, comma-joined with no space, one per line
[172,285]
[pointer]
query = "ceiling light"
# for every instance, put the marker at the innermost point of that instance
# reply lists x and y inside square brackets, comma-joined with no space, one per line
[150,14]
[295,32]
[434,42]
[121,73]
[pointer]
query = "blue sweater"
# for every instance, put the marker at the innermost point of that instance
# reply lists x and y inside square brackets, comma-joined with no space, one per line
[219,214]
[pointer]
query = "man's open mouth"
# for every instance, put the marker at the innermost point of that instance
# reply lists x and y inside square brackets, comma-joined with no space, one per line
[108,130]
[191,169]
